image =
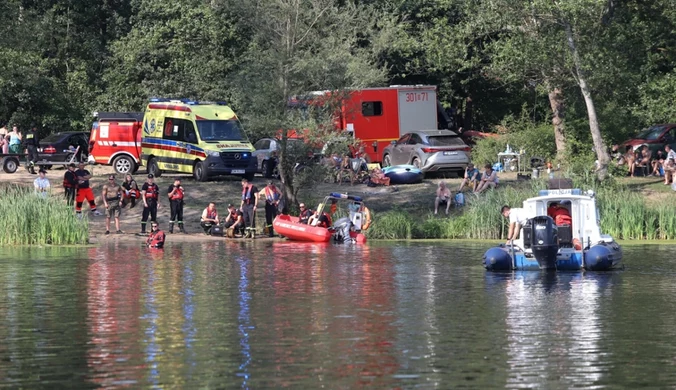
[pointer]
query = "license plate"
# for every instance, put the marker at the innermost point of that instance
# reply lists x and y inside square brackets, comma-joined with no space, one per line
[237,171]
[450,153]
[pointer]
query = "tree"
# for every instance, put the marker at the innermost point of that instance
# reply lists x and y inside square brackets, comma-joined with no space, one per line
[185,49]
[303,46]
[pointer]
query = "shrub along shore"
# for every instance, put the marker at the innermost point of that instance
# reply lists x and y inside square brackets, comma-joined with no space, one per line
[625,215]
[28,219]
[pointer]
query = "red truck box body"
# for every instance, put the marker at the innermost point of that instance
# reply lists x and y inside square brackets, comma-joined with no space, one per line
[116,140]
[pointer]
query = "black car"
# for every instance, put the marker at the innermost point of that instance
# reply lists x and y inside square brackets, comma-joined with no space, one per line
[61,147]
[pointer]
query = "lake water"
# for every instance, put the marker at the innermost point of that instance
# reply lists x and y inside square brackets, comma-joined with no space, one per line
[257,315]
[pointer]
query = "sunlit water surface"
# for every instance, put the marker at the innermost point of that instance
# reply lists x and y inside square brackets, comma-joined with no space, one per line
[256,315]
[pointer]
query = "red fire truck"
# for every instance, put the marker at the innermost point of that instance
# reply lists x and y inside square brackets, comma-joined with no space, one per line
[115,140]
[378,116]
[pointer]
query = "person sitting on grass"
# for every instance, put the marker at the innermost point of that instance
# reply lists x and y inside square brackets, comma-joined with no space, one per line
[209,218]
[41,184]
[657,163]
[472,175]
[378,177]
[443,197]
[488,180]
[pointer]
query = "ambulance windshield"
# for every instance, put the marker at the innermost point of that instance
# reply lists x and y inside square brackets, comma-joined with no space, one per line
[221,130]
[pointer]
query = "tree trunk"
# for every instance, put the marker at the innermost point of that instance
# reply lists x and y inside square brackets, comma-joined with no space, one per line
[467,120]
[599,147]
[558,114]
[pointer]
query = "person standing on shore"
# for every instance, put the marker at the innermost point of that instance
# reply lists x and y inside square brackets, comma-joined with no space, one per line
[272,196]
[41,184]
[15,140]
[69,184]
[112,201]
[248,206]
[32,143]
[151,201]
[84,192]
[176,194]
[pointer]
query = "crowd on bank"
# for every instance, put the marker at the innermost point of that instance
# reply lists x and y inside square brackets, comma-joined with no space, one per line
[643,162]
[479,182]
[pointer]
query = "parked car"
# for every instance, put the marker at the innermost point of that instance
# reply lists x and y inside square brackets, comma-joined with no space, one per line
[61,147]
[430,151]
[264,148]
[654,136]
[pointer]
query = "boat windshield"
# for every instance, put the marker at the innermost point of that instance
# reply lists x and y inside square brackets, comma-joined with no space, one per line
[651,133]
[220,130]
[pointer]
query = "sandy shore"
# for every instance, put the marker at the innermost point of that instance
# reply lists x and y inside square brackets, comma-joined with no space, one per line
[416,198]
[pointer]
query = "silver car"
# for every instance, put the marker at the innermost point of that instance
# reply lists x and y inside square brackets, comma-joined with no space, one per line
[266,146]
[429,150]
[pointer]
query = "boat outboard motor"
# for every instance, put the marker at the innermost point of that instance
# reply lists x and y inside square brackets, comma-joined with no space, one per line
[342,230]
[544,241]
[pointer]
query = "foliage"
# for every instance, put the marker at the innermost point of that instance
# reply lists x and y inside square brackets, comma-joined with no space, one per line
[535,139]
[31,220]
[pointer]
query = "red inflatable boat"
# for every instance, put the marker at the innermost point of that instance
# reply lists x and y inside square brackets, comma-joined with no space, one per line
[289,227]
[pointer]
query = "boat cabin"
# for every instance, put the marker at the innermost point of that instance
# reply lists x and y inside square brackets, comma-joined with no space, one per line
[584,226]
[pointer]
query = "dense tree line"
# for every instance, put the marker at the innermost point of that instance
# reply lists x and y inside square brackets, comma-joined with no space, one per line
[590,71]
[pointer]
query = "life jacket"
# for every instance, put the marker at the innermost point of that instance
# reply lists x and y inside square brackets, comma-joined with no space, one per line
[69,180]
[152,191]
[212,214]
[156,239]
[271,195]
[305,215]
[247,194]
[178,194]
[560,215]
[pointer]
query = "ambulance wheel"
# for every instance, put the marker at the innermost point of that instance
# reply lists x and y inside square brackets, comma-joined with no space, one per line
[199,172]
[123,165]
[387,161]
[153,168]
[10,165]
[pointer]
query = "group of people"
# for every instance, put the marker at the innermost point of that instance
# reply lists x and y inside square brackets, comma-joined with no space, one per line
[472,177]
[660,163]
[15,142]
[242,220]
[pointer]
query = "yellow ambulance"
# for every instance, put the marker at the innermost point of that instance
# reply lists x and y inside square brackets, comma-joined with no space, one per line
[203,139]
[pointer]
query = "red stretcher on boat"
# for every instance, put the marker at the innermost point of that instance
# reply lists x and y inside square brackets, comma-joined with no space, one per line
[291,228]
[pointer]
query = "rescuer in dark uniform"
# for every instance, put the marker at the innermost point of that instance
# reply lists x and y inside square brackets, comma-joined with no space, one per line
[69,184]
[176,194]
[32,143]
[248,207]
[151,201]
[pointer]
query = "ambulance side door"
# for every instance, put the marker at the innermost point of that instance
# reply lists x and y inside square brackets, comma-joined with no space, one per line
[173,156]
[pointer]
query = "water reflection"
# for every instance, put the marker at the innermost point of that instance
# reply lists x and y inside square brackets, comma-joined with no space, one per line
[241,314]
[553,328]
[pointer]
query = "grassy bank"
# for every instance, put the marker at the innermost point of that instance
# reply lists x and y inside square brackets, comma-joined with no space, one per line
[625,215]
[27,219]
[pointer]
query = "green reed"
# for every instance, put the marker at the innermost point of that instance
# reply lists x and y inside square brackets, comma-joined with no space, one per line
[624,214]
[28,219]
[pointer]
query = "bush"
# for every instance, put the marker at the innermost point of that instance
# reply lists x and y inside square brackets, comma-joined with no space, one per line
[535,139]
